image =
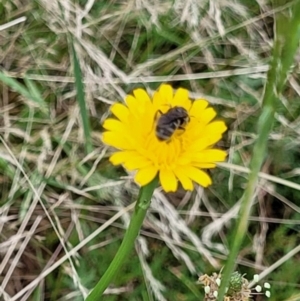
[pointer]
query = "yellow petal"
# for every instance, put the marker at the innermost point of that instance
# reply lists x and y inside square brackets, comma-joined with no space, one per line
[114,125]
[185,181]
[216,127]
[184,159]
[156,101]
[120,111]
[133,105]
[202,143]
[162,98]
[136,162]
[207,115]
[166,93]
[208,136]
[209,156]
[198,107]
[145,175]
[168,180]
[116,140]
[197,175]
[121,157]
[141,95]
[181,99]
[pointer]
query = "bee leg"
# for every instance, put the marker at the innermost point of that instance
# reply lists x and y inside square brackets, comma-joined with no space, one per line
[182,129]
[155,117]
[159,111]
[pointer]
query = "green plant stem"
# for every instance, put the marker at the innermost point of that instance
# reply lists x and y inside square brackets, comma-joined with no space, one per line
[285,47]
[136,222]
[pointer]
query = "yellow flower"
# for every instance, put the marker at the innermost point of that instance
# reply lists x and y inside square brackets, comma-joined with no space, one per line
[183,156]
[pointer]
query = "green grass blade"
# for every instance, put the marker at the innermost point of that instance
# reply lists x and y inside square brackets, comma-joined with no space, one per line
[30,92]
[33,90]
[285,47]
[81,102]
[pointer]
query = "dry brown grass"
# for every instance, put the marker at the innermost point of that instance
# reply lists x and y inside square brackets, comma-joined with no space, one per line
[55,199]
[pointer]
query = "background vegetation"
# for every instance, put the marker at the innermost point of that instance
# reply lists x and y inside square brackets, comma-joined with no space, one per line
[64,207]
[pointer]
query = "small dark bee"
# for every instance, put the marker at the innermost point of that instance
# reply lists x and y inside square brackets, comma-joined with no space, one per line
[167,123]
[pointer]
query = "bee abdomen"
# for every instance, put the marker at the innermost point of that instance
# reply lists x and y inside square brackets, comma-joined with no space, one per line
[165,133]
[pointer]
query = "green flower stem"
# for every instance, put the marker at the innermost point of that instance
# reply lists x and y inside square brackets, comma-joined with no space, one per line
[141,207]
[285,47]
